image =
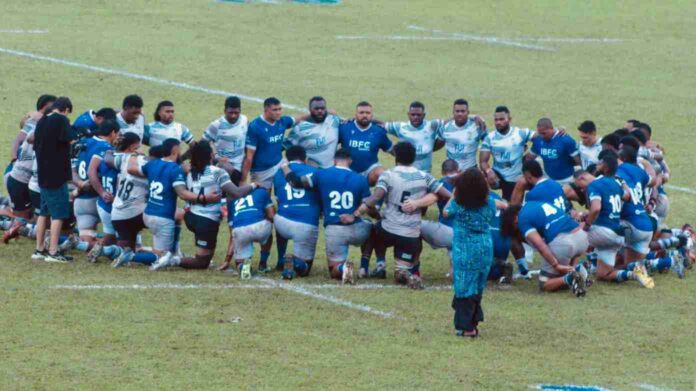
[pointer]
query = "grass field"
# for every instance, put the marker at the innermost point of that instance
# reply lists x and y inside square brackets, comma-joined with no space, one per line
[634,59]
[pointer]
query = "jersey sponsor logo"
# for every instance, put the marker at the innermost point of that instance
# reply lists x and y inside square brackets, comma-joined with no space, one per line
[276,138]
[360,145]
[550,153]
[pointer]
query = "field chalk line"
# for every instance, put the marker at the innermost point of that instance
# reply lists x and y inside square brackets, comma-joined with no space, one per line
[519,39]
[137,76]
[650,387]
[187,86]
[78,287]
[21,31]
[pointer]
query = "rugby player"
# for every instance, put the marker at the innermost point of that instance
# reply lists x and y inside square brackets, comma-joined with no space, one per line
[317,134]
[228,135]
[90,119]
[28,123]
[462,135]
[590,145]
[131,119]
[557,237]
[404,188]
[439,234]
[297,218]
[421,133]
[364,138]
[341,191]
[507,144]
[165,127]
[559,152]
[264,143]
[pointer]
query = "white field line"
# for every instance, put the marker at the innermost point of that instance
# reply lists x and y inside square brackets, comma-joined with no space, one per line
[137,76]
[568,387]
[679,188]
[519,39]
[20,31]
[490,40]
[650,387]
[236,286]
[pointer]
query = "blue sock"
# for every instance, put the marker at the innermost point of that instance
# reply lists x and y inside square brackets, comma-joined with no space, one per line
[415,268]
[82,246]
[381,262]
[281,246]
[340,267]
[592,257]
[62,238]
[663,263]
[112,252]
[146,258]
[651,255]
[365,262]
[568,278]
[668,242]
[632,265]
[522,266]
[300,265]
[177,235]
[264,256]
[623,275]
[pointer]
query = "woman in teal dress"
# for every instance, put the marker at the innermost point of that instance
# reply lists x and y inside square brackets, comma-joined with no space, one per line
[472,248]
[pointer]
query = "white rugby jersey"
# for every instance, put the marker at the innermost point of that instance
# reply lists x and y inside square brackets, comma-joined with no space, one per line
[403,183]
[34,180]
[157,132]
[318,140]
[132,191]
[462,143]
[138,127]
[590,154]
[508,151]
[229,139]
[21,169]
[210,181]
[423,138]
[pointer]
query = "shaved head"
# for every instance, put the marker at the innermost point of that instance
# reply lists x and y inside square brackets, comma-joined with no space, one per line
[545,123]
[450,166]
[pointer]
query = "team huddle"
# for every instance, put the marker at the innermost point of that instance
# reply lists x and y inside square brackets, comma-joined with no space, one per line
[593,208]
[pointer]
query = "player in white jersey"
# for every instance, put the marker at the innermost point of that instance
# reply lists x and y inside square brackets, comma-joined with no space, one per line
[590,145]
[29,121]
[462,135]
[405,190]
[203,219]
[227,135]
[317,134]
[17,185]
[507,144]
[420,132]
[165,127]
[130,119]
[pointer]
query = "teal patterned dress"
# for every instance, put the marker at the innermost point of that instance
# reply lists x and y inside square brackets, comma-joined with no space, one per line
[472,248]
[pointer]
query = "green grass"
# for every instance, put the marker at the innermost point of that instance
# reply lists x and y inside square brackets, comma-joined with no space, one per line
[617,337]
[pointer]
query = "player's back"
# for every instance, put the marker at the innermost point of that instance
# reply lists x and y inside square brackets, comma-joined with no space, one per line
[93,146]
[162,176]
[298,205]
[546,219]
[109,180]
[402,183]
[85,121]
[132,191]
[610,192]
[342,191]
[249,209]
[548,191]
[637,180]
[210,181]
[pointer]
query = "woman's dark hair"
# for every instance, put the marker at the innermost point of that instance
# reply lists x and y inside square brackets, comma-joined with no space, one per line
[201,156]
[164,103]
[508,228]
[471,189]
[126,140]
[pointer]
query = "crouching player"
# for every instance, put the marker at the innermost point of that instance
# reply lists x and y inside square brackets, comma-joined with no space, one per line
[297,218]
[341,191]
[405,190]
[557,237]
[439,234]
[250,221]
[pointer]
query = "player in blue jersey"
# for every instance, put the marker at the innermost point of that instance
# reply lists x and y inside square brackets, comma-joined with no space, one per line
[131,118]
[341,191]
[250,220]
[264,143]
[501,269]
[420,132]
[203,219]
[103,180]
[165,127]
[297,218]
[606,200]
[91,120]
[558,151]
[364,139]
[167,182]
[317,133]
[507,144]
[534,186]
[557,237]
[85,205]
